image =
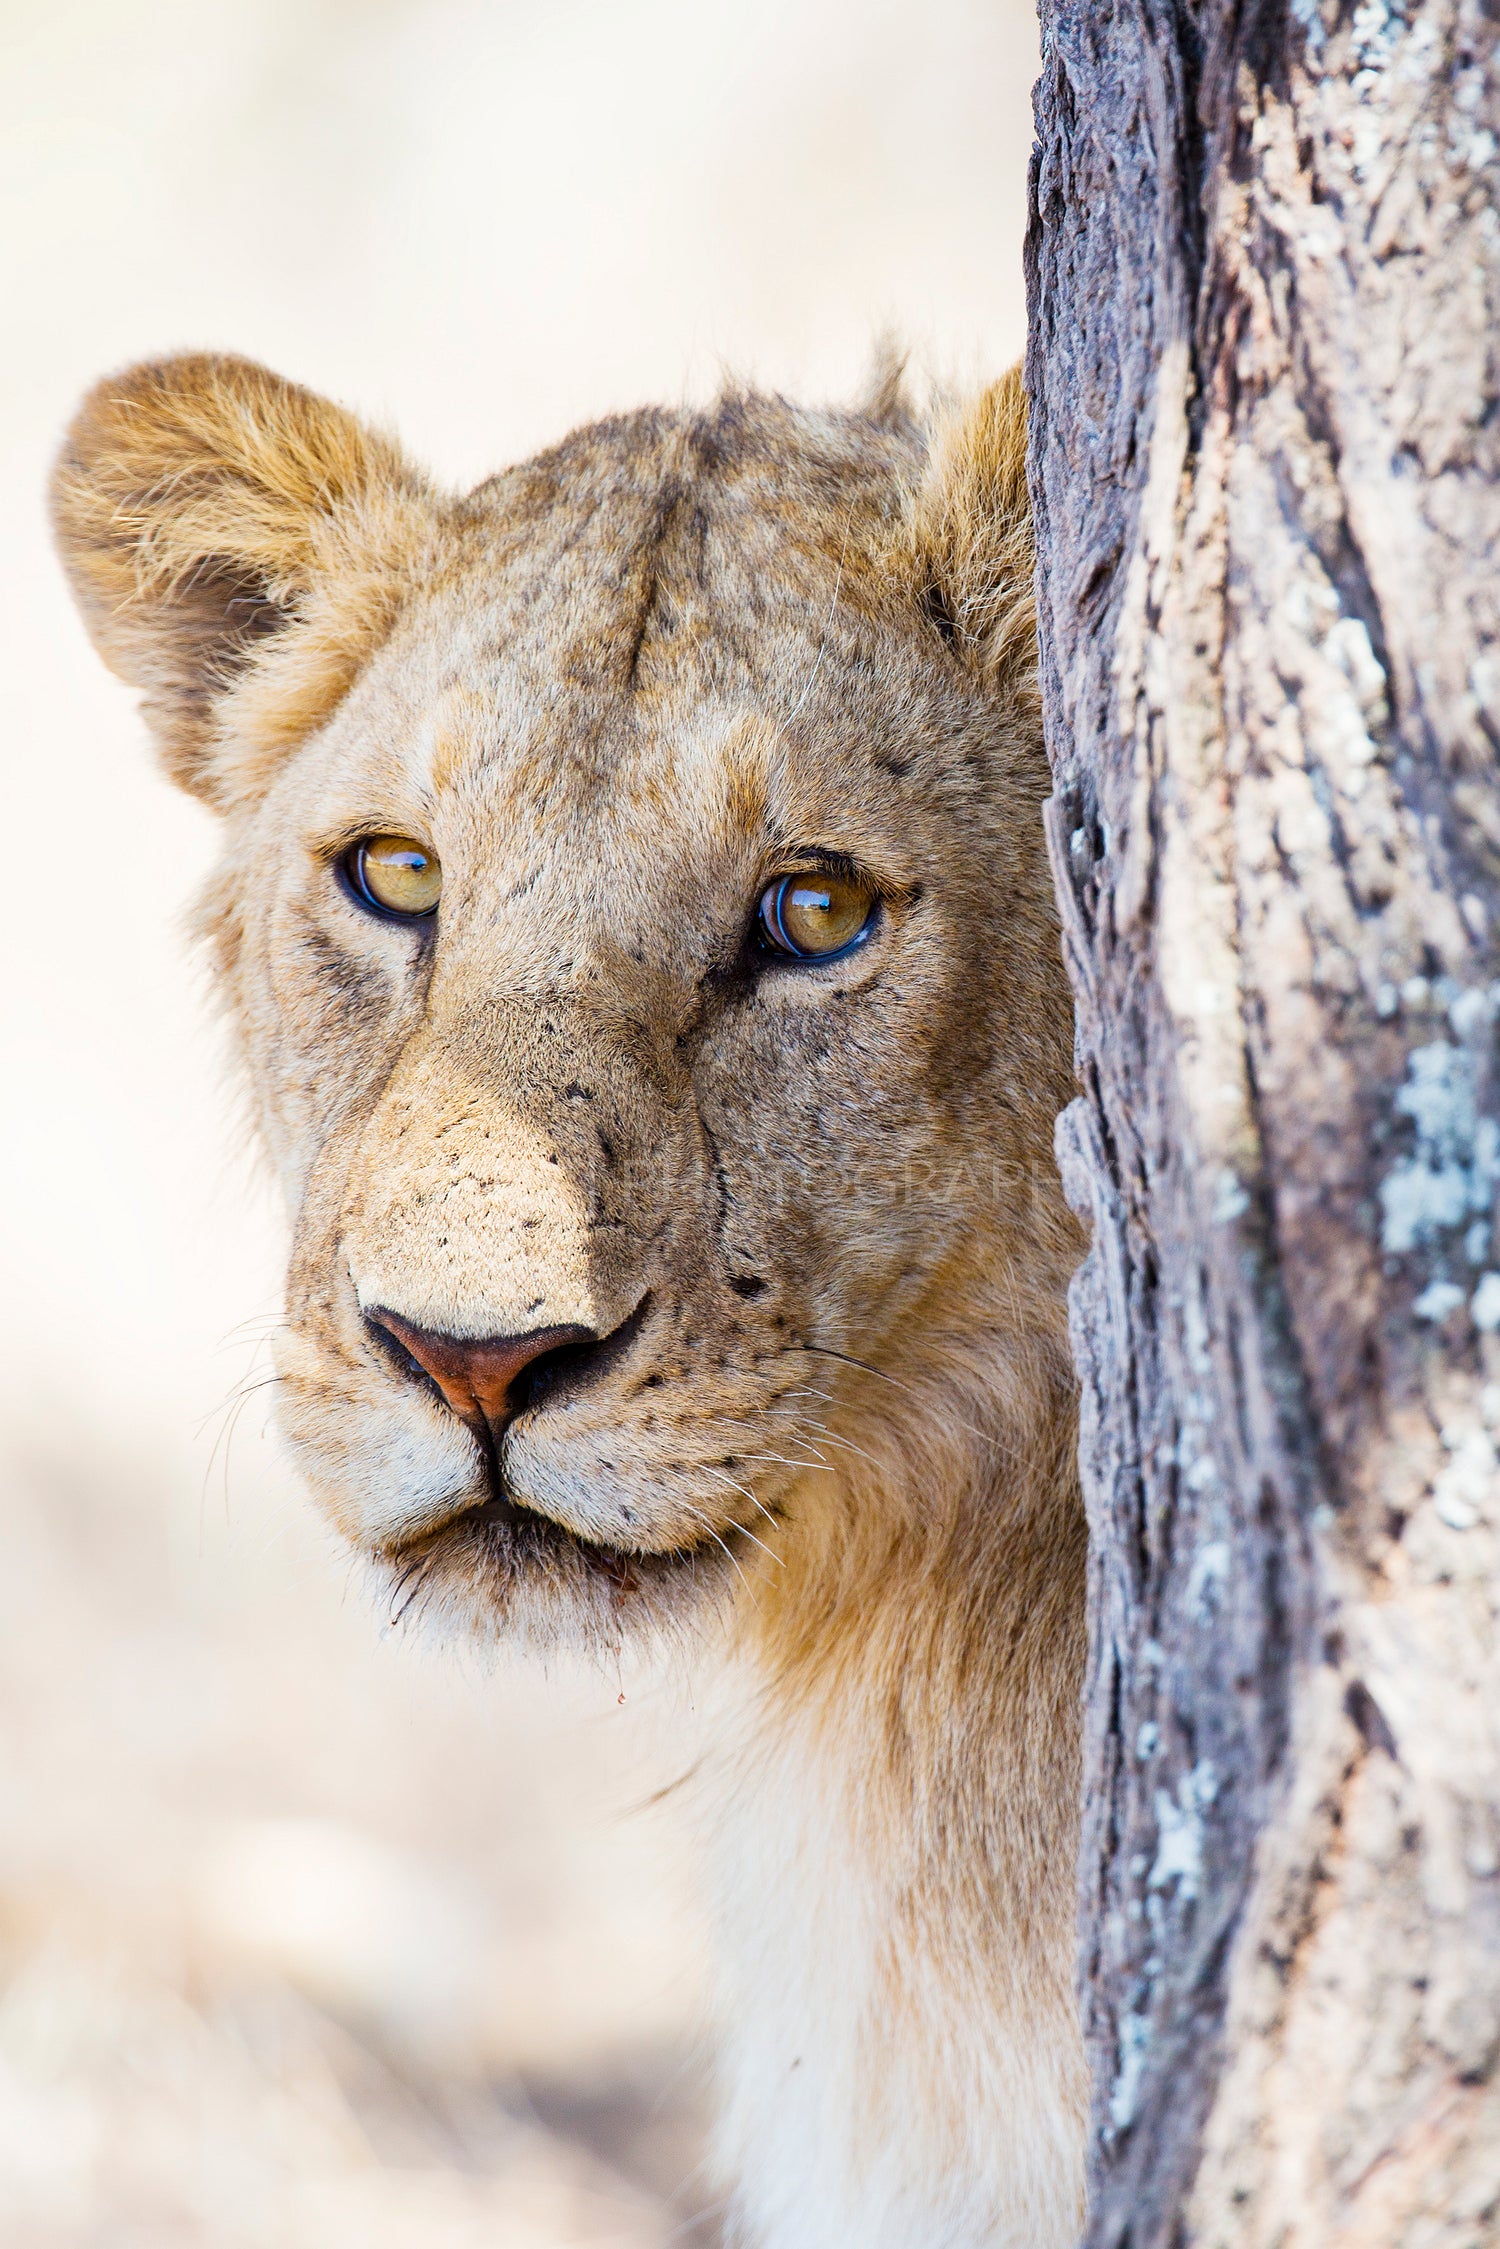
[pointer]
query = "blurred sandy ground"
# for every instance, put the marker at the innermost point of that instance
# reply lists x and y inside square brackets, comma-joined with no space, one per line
[310,1936]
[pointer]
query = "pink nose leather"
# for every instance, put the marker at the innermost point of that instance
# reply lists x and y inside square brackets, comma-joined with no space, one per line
[477,1374]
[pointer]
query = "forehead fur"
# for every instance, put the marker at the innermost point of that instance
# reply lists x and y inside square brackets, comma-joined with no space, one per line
[647,550]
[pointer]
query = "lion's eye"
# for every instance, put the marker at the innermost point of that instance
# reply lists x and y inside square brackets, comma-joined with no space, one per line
[815,917]
[394,875]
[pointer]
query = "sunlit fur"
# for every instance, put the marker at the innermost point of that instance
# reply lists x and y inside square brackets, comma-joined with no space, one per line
[618,690]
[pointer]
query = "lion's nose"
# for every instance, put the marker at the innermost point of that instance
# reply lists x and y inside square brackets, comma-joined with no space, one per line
[478,1375]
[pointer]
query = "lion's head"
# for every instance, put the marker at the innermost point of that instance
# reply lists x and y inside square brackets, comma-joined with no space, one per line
[634,913]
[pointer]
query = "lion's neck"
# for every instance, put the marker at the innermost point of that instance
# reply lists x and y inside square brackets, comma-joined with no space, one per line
[895,1817]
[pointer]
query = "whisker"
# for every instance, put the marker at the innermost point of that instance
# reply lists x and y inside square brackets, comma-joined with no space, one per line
[781,1460]
[267,1322]
[987,1436]
[416,1576]
[744,1489]
[242,1390]
[231,1409]
[699,1516]
[826,1436]
[740,1527]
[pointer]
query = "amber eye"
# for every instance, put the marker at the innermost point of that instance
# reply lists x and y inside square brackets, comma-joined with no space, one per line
[815,917]
[394,875]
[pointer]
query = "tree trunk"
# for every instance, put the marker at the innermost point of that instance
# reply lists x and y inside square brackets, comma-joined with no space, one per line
[1264,264]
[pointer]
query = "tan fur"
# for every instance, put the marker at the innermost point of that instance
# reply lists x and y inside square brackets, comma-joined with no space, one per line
[617,690]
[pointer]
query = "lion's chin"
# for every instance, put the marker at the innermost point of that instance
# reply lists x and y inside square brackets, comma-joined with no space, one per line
[500,1570]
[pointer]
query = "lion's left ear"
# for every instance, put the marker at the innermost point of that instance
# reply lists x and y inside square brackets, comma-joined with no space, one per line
[967,532]
[238,546]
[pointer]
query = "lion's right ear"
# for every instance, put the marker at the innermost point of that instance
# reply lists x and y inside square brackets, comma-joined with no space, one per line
[228,535]
[968,531]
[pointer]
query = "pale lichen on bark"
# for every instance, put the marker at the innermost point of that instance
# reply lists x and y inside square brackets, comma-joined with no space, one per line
[1265,264]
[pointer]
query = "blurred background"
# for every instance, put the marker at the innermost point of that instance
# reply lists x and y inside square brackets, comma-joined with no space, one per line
[311,1934]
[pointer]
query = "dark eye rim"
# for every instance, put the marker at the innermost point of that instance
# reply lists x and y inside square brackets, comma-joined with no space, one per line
[349,867]
[770,930]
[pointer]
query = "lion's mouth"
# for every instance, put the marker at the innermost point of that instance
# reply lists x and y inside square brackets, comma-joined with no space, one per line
[499,1547]
[520,1536]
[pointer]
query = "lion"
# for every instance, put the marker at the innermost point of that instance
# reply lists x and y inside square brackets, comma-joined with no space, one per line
[635,921]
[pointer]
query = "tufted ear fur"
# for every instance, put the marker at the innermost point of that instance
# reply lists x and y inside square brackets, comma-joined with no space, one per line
[968,531]
[233,539]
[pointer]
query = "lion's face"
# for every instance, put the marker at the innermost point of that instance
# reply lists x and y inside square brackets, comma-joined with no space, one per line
[602,1198]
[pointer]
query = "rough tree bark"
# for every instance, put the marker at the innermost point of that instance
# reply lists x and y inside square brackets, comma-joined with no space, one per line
[1264,265]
